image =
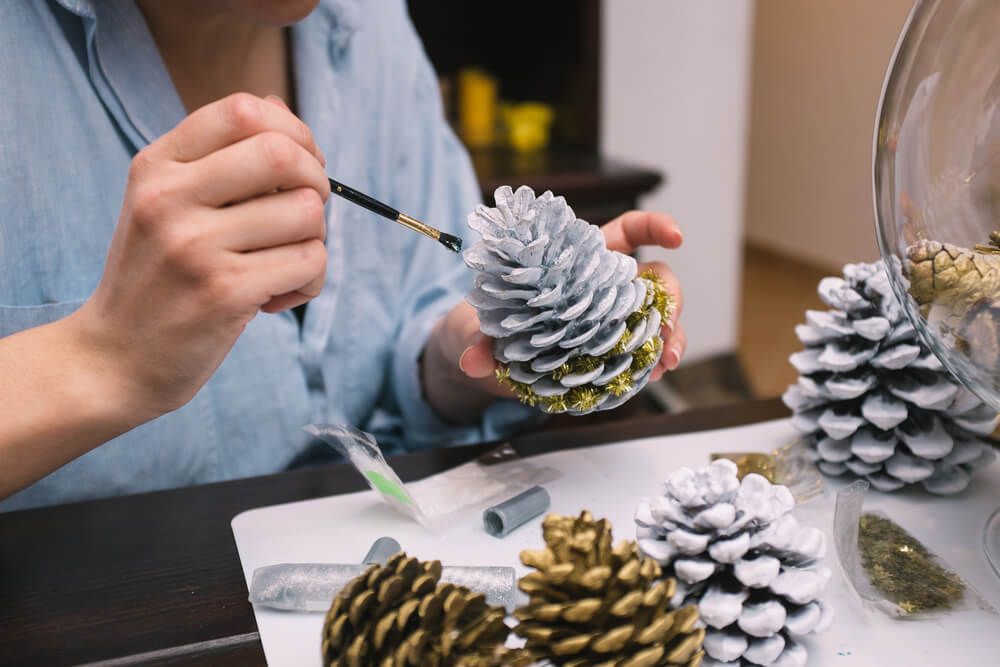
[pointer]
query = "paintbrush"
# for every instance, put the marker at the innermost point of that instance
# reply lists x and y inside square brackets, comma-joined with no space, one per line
[449,241]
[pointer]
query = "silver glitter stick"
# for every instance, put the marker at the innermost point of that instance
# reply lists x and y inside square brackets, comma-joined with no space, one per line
[312,586]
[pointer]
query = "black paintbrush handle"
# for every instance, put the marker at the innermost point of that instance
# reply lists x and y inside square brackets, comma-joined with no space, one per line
[361,199]
[449,241]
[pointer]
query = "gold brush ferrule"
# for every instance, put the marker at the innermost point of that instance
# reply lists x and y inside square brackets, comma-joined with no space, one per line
[418,226]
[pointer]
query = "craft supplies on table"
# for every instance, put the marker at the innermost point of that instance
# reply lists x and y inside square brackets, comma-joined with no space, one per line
[610,480]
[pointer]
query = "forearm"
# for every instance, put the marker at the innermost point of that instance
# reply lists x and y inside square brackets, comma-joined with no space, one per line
[59,399]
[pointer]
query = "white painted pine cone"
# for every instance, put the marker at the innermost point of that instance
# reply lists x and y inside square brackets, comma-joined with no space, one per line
[576,330]
[738,553]
[873,399]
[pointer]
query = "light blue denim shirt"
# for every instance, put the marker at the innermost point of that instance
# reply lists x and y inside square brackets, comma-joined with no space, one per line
[84,88]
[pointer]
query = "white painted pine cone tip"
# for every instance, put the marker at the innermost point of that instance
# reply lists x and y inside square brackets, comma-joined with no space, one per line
[741,556]
[575,329]
[872,398]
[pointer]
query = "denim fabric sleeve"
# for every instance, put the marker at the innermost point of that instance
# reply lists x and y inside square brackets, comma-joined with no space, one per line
[437,177]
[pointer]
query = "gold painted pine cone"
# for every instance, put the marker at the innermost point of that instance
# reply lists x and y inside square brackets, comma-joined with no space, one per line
[963,286]
[592,603]
[399,614]
[952,276]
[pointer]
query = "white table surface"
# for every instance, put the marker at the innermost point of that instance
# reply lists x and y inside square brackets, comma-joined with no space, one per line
[609,480]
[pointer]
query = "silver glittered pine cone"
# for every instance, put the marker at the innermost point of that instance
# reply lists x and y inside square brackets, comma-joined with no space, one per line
[737,552]
[576,330]
[872,398]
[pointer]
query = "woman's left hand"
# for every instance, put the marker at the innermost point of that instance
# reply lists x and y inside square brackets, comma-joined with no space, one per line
[633,230]
[457,351]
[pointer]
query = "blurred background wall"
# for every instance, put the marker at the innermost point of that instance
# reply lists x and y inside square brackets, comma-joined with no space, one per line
[817,74]
[761,116]
[675,96]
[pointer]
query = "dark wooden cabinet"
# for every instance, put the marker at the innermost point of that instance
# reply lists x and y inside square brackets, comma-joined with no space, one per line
[547,52]
[597,188]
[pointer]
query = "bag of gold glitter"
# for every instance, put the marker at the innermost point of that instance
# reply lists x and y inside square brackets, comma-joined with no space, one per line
[892,570]
[792,465]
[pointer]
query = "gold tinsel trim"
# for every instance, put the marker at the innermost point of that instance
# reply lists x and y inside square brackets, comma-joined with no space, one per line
[586,396]
[663,300]
[621,384]
[554,404]
[622,343]
[646,353]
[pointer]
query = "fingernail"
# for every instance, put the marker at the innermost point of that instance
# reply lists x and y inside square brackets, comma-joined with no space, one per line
[322,158]
[461,361]
[673,358]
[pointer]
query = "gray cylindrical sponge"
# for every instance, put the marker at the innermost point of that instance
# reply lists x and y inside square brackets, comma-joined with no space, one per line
[501,519]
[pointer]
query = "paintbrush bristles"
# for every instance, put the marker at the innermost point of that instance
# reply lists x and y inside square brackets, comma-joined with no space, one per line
[450,241]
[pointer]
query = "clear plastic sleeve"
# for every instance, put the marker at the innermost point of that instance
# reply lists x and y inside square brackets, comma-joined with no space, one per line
[430,501]
[891,570]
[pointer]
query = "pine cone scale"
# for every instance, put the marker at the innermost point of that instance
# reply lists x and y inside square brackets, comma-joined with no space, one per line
[581,611]
[614,640]
[685,650]
[571,645]
[646,658]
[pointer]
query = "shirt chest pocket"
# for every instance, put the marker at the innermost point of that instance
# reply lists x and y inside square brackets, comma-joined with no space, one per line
[19,318]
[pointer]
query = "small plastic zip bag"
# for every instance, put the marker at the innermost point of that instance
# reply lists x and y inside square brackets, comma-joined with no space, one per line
[891,570]
[429,501]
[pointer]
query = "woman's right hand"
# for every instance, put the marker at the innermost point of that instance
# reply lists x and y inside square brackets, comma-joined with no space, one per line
[222,217]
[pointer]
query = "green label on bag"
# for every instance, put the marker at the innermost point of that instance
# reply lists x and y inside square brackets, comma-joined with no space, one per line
[388,487]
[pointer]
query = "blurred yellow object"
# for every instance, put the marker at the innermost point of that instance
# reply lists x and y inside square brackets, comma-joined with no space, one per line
[477,108]
[528,125]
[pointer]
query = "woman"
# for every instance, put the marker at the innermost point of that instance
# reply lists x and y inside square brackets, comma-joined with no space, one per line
[132,353]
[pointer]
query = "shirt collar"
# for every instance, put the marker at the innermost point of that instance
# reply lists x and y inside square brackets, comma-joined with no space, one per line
[82,8]
[343,18]
[129,75]
[344,15]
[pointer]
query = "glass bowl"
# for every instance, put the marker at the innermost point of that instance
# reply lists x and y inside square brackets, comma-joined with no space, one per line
[937,183]
[937,188]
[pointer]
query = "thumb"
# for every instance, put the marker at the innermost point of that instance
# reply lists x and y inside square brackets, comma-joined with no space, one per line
[477,359]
